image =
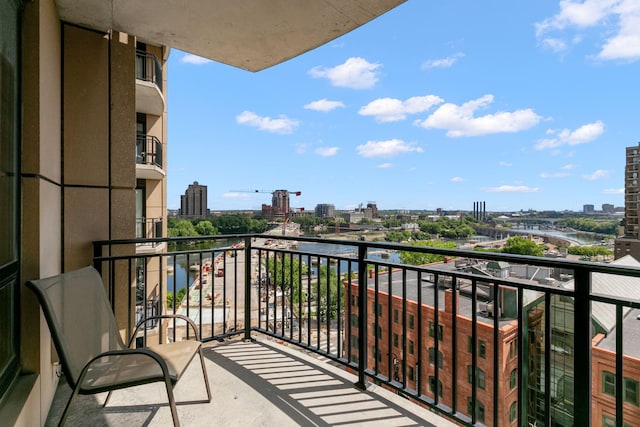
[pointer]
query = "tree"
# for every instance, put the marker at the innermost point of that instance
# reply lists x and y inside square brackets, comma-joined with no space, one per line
[205,228]
[286,271]
[328,279]
[522,246]
[419,258]
[182,228]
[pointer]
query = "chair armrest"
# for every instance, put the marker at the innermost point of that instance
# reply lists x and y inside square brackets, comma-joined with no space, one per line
[165,316]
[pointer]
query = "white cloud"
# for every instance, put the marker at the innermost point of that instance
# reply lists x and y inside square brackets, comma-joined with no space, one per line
[585,133]
[554,175]
[459,120]
[240,196]
[442,62]
[511,189]
[613,191]
[599,174]
[282,124]
[384,165]
[355,73]
[619,21]
[393,110]
[390,148]
[568,167]
[505,164]
[456,179]
[327,151]
[324,105]
[556,45]
[189,58]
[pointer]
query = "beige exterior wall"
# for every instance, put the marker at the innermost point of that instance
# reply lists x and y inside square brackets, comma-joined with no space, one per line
[78,179]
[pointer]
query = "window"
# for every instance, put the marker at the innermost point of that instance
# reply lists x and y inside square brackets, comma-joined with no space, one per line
[373,307]
[411,321]
[376,354]
[610,421]
[480,377]
[513,412]
[410,347]
[379,330]
[608,383]
[482,347]
[354,342]
[410,373]
[432,357]
[432,386]
[395,340]
[513,379]
[631,391]
[513,348]
[479,409]
[9,191]
[395,315]
[354,320]
[354,300]
[432,331]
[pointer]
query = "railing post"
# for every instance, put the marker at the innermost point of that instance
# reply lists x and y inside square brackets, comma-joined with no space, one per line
[247,288]
[362,318]
[582,348]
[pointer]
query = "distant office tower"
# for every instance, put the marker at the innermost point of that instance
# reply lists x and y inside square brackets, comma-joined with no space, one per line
[194,202]
[324,210]
[607,208]
[588,209]
[280,204]
[374,209]
[629,244]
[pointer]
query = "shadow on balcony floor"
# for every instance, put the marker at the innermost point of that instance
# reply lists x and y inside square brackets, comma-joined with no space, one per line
[257,383]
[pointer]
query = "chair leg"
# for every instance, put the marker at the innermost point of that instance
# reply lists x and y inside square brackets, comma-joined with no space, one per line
[204,374]
[74,393]
[107,399]
[172,403]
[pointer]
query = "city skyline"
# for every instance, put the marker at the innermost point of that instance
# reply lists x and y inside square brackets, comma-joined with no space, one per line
[526,107]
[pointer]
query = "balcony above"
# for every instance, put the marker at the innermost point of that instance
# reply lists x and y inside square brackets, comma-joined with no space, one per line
[149,158]
[149,97]
[245,34]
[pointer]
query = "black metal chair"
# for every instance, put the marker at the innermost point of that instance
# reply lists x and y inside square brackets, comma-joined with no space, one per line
[93,355]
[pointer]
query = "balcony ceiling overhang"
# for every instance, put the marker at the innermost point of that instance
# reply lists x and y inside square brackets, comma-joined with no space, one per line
[248,34]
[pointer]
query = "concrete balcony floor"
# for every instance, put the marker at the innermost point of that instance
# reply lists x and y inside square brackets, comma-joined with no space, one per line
[260,383]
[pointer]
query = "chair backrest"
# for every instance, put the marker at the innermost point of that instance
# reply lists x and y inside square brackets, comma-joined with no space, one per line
[79,316]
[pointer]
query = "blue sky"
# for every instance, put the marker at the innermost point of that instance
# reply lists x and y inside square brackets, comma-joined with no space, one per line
[436,104]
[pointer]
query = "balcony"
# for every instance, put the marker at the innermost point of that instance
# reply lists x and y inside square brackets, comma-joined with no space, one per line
[149,158]
[149,97]
[562,332]
[149,228]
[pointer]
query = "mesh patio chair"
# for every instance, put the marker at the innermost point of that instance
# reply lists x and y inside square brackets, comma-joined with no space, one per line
[93,355]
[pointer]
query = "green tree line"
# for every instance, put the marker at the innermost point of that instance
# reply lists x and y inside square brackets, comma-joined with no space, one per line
[590,225]
[223,224]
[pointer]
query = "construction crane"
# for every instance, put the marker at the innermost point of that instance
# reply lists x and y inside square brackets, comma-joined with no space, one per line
[279,204]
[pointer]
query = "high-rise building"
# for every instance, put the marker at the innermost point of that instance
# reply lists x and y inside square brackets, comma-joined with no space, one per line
[629,243]
[324,210]
[608,208]
[280,203]
[588,209]
[193,204]
[374,209]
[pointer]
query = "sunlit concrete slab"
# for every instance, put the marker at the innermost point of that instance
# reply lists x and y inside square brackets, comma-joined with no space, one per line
[245,396]
[247,34]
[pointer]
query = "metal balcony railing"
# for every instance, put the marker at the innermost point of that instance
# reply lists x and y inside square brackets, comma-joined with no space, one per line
[149,228]
[481,338]
[148,150]
[148,68]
